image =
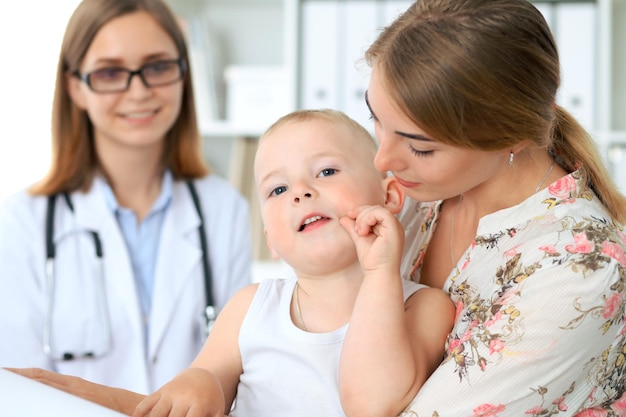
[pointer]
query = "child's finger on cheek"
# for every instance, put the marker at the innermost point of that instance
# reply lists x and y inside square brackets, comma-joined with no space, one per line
[348,223]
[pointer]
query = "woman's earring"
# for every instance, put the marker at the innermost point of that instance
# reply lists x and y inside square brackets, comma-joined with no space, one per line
[511,158]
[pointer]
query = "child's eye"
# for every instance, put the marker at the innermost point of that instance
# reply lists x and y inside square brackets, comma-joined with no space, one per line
[417,152]
[327,172]
[278,190]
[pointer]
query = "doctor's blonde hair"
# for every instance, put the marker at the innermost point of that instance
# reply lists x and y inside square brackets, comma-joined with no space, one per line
[74,159]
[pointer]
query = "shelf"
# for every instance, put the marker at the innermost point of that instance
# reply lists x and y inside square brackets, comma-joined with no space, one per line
[227,129]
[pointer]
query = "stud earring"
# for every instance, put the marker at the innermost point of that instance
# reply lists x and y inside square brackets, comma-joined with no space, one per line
[511,158]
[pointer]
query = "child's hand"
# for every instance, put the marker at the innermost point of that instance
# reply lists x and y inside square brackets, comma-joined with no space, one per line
[378,237]
[194,392]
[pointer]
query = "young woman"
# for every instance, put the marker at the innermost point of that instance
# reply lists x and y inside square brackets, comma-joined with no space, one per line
[509,209]
[127,180]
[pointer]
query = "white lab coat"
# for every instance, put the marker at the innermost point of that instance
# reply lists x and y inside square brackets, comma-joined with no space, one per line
[178,298]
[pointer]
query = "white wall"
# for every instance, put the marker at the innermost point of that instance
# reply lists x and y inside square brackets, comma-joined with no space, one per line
[30,39]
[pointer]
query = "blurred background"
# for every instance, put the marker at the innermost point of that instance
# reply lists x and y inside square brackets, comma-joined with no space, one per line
[255,60]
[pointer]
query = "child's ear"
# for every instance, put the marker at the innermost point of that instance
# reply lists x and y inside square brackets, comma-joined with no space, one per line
[395,194]
[269,245]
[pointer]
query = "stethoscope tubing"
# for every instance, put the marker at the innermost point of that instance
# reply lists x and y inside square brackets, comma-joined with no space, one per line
[209,312]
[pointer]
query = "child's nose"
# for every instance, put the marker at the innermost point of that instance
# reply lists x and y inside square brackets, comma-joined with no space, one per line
[297,197]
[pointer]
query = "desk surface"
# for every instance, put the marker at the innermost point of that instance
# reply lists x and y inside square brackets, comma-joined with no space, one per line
[23,397]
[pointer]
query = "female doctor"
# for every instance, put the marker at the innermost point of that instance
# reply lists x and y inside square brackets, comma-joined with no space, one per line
[107,265]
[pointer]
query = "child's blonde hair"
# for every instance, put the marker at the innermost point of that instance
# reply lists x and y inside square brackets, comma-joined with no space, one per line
[322,114]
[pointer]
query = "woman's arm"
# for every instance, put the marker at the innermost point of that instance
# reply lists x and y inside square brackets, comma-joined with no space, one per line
[117,399]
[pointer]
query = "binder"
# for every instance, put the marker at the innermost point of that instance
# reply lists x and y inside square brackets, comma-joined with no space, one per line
[320,54]
[575,33]
[334,37]
[574,29]
[362,24]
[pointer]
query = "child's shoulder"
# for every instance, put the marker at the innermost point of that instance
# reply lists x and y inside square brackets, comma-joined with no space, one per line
[411,287]
[246,294]
[267,288]
[432,299]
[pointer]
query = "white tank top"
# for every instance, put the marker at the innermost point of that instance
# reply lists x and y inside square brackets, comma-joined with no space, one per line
[287,371]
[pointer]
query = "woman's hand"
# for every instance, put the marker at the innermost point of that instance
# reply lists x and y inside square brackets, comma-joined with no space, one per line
[195,392]
[117,399]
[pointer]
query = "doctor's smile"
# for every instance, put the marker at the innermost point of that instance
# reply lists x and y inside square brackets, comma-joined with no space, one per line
[140,116]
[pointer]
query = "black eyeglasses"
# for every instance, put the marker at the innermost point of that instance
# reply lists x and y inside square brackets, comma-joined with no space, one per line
[117,79]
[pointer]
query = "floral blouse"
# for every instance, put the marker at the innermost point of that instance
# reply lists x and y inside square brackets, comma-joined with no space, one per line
[540,312]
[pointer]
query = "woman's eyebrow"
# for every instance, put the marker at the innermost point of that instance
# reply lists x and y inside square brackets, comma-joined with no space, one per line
[415,136]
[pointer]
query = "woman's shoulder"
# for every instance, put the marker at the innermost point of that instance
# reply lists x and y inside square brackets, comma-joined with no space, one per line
[22,213]
[23,202]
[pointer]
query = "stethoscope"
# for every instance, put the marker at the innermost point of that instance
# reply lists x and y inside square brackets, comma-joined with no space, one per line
[209,311]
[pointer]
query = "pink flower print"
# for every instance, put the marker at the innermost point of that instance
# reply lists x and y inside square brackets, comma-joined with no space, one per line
[592,412]
[611,307]
[508,296]
[467,336]
[614,251]
[494,319]
[496,345]
[512,252]
[560,403]
[458,310]
[488,410]
[536,410]
[420,257]
[465,264]
[454,343]
[581,244]
[549,249]
[563,187]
